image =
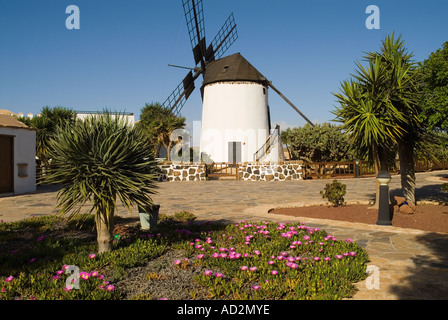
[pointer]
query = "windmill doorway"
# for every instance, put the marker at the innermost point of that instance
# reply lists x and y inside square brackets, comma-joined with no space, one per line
[6,164]
[234,152]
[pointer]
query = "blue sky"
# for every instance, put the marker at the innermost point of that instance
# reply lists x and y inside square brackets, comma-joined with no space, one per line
[119,57]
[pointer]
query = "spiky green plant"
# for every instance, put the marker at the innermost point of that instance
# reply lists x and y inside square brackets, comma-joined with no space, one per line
[97,161]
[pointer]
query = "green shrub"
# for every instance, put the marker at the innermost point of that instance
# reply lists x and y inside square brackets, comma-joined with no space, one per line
[334,192]
[444,187]
[184,216]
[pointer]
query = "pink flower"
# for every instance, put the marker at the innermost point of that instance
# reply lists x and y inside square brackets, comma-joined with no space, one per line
[110,288]
[339,256]
[327,259]
[256,287]
[84,275]
[55,278]
[316,258]
[65,267]
[306,238]
[243,268]
[59,272]
[94,273]
[271,262]
[253,269]
[352,253]
[9,279]
[200,256]
[257,252]
[41,238]
[208,272]
[274,272]
[177,262]
[68,288]
[92,256]
[218,275]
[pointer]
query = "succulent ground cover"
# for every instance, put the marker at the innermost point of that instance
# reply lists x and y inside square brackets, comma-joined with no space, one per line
[179,259]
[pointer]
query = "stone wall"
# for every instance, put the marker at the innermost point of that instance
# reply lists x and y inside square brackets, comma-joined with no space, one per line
[182,172]
[270,172]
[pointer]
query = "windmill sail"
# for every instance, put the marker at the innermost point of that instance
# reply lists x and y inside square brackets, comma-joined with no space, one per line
[194,17]
[225,37]
[290,103]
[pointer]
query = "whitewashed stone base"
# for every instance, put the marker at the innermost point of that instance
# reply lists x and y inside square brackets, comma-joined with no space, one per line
[270,172]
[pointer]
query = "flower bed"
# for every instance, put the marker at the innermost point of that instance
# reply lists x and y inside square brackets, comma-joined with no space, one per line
[275,261]
[245,260]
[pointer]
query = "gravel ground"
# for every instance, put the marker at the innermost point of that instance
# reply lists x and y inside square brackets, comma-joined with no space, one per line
[159,279]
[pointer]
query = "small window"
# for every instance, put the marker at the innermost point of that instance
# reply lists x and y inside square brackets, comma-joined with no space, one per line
[22,170]
[264,91]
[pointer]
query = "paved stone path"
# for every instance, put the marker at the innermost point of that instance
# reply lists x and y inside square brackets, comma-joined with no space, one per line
[410,264]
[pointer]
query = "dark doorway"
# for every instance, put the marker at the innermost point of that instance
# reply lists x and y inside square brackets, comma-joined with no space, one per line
[234,151]
[6,164]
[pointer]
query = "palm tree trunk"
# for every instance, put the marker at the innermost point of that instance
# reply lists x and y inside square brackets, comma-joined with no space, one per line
[407,171]
[379,161]
[104,228]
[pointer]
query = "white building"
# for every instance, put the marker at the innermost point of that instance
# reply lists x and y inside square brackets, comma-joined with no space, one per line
[236,122]
[84,114]
[17,156]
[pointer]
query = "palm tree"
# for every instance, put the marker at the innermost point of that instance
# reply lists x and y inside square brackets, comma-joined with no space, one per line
[98,160]
[159,123]
[46,125]
[403,93]
[378,110]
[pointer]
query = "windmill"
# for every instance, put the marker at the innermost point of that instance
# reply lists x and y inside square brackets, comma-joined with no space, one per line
[236,125]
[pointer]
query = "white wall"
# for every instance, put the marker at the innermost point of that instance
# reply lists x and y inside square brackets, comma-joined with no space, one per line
[129,117]
[236,111]
[24,153]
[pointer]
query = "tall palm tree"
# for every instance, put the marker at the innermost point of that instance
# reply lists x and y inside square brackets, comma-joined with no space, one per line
[403,93]
[97,161]
[378,109]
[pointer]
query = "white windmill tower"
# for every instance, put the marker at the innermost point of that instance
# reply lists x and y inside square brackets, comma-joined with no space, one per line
[236,124]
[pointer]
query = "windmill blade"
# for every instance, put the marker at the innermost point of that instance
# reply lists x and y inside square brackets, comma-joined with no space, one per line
[194,16]
[290,103]
[223,40]
[179,96]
